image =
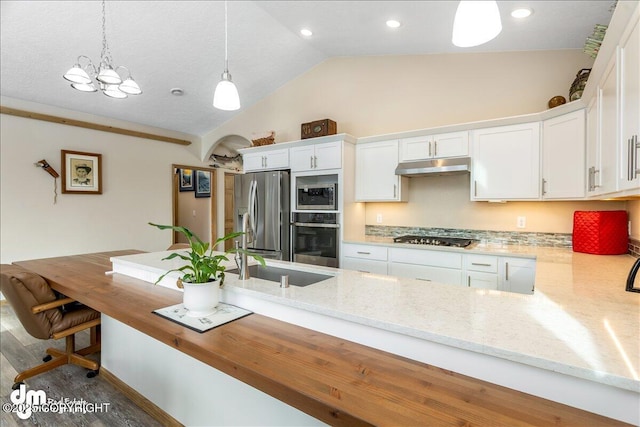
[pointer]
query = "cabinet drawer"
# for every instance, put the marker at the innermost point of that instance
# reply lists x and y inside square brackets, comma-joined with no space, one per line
[365,252]
[364,265]
[483,263]
[428,274]
[426,257]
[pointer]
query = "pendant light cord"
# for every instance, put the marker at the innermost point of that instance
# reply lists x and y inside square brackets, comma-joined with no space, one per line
[105,47]
[226,56]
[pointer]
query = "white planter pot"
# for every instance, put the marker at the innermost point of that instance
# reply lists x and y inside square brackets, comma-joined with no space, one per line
[201,299]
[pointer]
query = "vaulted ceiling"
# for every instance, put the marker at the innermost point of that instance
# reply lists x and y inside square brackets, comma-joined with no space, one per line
[180,44]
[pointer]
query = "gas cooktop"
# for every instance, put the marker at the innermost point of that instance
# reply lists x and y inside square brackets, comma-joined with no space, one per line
[433,240]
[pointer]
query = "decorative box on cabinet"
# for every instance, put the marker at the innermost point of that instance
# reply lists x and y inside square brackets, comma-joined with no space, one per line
[376,180]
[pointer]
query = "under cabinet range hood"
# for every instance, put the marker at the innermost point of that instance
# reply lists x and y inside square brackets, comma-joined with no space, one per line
[449,166]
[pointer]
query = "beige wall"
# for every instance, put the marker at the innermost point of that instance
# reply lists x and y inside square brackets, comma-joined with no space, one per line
[633,207]
[378,95]
[137,186]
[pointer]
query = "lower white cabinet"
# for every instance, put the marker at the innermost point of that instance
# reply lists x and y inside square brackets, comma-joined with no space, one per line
[430,266]
[474,270]
[364,258]
[481,271]
[517,275]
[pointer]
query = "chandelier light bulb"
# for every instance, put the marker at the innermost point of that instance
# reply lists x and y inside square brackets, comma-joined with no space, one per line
[476,23]
[84,87]
[77,75]
[130,87]
[112,91]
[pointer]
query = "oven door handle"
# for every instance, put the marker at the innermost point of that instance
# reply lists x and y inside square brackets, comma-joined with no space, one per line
[315,225]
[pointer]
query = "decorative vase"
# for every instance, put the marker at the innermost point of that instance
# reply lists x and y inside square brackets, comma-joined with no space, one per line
[201,299]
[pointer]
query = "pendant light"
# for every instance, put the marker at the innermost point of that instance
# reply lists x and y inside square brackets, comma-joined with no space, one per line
[106,77]
[226,96]
[476,22]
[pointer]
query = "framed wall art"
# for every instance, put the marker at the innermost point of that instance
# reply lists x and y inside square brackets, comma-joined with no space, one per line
[203,183]
[81,172]
[186,180]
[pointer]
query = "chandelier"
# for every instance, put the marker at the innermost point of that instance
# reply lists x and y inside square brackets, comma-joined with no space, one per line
[86,77]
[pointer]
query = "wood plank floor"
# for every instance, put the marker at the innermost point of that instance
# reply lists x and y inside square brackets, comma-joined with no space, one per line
[20,351]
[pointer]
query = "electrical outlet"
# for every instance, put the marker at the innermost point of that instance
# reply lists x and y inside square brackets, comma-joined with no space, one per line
[521,222]
[379,218]
[629,228]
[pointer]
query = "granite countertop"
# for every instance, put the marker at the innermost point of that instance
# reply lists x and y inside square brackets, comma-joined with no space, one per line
[579,321]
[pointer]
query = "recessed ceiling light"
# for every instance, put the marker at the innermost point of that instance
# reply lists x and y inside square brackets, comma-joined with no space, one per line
[177,91]
[306,32]
[392,23]
[521,13]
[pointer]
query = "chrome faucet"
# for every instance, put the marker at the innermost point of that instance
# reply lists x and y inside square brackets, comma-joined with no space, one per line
[241,259]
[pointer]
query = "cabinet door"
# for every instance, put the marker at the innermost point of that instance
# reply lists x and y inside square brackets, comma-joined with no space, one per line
[376,179]
[518,275]
[416,148]
[454,144]
[506,163]
[302,158]
[277,159]
[482,280]
[253,162]
[606,178]
[563,157]
[593,143]
[266,160]
[629,175]
[328,156]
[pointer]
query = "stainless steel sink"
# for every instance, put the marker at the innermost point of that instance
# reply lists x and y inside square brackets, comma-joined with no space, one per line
[274,274]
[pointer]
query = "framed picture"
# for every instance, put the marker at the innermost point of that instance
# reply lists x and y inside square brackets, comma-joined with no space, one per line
[186,179]
[81,172]
[203,183]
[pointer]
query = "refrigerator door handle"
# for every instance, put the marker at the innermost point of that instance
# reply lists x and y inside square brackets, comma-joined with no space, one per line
[254,207]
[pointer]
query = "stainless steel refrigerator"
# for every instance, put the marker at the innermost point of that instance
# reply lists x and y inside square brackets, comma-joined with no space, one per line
[265,195]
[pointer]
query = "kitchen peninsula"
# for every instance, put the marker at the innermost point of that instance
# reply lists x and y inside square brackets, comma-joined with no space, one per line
[530,340]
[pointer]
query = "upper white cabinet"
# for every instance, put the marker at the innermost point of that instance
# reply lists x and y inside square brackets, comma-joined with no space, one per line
[266,160]
[454,144]
[376,180]
[506,162]
[629,145]
[316,157]
[563,156]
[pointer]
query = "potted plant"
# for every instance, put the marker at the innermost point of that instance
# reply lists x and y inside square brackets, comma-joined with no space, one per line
[203,275]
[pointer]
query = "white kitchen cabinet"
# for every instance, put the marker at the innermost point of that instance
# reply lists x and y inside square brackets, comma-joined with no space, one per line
[605,165]
[376,180]
[481,271]
[517,275]
[266,160]
[430,266]
[506,162]
[563,156]
[453,144]
[316,157]
[364,258]
[629,143]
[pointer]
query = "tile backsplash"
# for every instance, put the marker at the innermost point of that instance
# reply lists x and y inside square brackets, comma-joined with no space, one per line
[563,240]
